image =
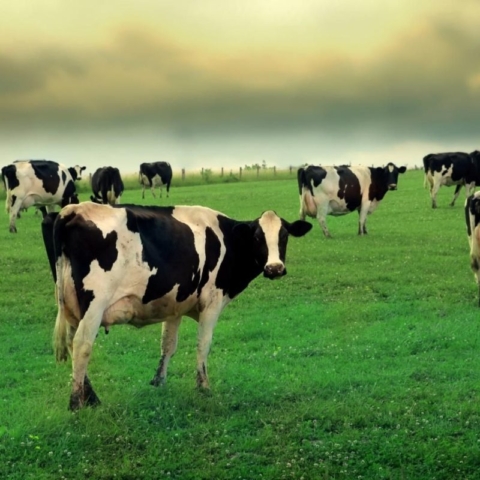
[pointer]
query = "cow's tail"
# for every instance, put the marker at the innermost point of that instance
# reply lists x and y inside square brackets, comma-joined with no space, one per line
[9,169]
[426,167]
[62,328]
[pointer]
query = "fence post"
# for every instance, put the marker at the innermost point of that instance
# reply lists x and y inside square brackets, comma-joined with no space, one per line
[290,169]
[258,171]
[183,174]
[274,171]
[221,173]
[240,173]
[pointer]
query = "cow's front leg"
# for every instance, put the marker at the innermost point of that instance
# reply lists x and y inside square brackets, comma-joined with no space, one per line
[169,346]
[82,391]
[457,192]
[206,324]
[362,220]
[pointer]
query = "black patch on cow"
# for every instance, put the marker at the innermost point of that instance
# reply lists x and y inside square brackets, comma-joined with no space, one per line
[212,253]
[47,233]
[472,208]
[9,172]
[349,188]
[48,173]
[168,245]
[307,176]
[64,176]
[14,199]
[69,194]
[82,242]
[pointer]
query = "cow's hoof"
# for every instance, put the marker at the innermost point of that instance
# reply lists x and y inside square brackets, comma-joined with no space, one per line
[158,381]
[13,229]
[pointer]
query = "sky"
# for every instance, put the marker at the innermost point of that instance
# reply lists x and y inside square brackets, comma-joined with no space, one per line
[212,83]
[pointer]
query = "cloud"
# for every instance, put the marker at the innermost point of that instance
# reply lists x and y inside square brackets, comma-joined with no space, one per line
[422,83]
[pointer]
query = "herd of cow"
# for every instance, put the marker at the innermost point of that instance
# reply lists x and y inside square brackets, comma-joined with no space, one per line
[115,264]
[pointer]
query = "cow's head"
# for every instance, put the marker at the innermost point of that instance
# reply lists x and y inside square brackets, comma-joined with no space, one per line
[269,237]
[76,172]
[391,173]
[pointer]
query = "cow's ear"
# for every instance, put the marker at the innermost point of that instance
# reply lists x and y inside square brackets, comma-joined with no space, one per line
[402,169]
[298,228]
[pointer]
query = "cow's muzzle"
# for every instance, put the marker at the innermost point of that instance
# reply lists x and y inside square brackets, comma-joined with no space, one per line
[392,186]
[275,270]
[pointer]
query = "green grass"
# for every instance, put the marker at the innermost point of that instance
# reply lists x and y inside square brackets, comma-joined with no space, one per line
[363,362]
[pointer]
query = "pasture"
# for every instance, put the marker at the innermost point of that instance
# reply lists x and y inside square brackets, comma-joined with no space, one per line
[362,362]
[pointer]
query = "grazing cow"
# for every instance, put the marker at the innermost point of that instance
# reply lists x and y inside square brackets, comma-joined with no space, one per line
[451,168]
[340,190]
[42,183]
[144,265]
[472,217]
[107,186]
[156,174]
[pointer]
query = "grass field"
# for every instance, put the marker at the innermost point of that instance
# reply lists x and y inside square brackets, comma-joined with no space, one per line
[362,363]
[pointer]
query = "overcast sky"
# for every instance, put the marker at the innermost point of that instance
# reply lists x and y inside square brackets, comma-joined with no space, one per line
[213,83]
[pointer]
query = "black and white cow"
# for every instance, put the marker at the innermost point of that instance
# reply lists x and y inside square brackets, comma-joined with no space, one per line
[156,174]
[451,168]
[144,265]
[107,186]
[40,183]
[339,190]
[472,217]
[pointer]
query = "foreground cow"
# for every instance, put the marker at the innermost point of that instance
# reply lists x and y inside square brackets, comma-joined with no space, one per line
[155,174]
[451,168]
[107,186]
[340,190]
[472,217]
[144,265]
[42,183]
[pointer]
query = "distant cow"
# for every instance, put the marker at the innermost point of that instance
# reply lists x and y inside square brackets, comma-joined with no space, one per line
[144,265]
[42,183]
[155,174]
[339,190]
[107,186]
[451,168]
[472,217]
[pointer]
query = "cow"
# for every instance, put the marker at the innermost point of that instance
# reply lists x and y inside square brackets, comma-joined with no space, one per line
[337,190]
[143,265]
[451,168]
[156,174]
[107,186]
[40,183]
[472,217]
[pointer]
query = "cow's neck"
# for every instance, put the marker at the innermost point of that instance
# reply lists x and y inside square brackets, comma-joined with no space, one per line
[239,267]
[378,187]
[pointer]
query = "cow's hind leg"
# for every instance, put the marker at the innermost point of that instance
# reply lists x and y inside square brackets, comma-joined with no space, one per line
[433,193]
[169,346]
[14,213]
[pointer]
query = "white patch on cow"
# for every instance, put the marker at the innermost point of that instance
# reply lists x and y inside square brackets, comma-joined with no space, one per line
[271,225]
[198,219]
